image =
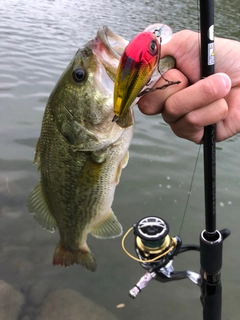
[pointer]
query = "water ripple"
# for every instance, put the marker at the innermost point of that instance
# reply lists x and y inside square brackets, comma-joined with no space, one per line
[38,39]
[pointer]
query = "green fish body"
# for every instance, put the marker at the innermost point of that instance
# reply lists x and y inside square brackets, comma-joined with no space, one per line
[80,154]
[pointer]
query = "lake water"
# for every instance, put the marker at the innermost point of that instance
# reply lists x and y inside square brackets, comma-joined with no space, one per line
[37,41]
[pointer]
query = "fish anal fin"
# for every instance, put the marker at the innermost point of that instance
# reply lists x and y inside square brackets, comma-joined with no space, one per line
[64,257]
[110,227]
[38,206]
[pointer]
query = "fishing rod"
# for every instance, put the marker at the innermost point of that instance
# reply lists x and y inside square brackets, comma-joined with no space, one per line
[154,248]
[211,239]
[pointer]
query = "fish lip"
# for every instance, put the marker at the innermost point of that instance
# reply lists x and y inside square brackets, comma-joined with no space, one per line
[115,43]
[107,47]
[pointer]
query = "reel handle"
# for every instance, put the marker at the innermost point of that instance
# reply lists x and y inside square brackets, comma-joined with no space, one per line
[142,283]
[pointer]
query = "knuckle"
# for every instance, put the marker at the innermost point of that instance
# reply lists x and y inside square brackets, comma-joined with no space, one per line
[195,135]
[224,109]
[192,120]
[210,90]
[171,109]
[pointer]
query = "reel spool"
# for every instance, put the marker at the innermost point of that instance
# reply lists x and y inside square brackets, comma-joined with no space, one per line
[153,245]
[151,237]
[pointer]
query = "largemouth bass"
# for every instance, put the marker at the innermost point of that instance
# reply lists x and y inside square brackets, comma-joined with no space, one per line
[81,152]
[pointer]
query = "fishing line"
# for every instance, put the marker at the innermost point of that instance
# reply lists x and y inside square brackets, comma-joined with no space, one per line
[189,191]
[195,166]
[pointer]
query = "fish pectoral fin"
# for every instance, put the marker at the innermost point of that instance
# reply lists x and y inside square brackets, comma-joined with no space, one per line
[64,257]
[124,161]
[37,155]
[121,166]
[77,135]
[110,227]
[39,208]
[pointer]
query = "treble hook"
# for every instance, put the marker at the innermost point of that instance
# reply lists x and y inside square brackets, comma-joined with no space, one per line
[149,90]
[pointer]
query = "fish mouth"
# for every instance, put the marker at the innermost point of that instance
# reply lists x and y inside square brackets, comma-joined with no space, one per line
[115,43]
[108,48]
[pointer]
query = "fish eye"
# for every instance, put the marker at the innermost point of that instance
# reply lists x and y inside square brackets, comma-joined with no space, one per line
[78,74]
[153,47]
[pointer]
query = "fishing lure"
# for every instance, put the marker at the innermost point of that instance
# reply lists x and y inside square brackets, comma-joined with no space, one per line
[137,65]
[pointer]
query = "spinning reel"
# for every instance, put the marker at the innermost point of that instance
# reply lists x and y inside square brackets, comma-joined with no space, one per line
[155,251]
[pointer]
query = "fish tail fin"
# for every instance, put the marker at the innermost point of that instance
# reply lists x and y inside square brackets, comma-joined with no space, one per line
[64,257]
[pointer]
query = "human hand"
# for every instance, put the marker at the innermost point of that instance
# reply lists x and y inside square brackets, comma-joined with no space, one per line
[195,103]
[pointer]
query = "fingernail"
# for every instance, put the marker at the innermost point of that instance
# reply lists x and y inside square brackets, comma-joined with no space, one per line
[226,80]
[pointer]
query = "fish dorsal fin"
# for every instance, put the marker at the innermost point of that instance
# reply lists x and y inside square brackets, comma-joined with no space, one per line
[108,228]
[39,208]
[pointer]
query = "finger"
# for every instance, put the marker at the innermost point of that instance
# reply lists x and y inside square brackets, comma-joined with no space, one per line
[184,47]
[152,103]
[196,96]
[230,126]
[191,126]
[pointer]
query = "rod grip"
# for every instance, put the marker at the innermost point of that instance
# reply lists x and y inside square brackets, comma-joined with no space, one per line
[212,301]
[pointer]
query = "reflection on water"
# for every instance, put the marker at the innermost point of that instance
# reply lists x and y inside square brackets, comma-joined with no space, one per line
[38,39]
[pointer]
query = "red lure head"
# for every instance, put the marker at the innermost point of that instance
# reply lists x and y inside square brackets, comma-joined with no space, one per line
[136,66]
[144,48]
